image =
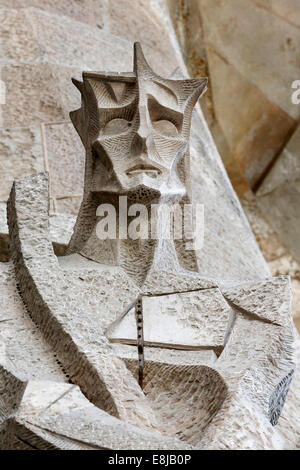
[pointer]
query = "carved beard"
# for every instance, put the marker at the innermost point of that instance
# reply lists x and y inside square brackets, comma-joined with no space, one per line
[135,127]
[126,164]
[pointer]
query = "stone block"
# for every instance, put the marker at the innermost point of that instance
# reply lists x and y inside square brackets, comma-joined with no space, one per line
[199,319]
[68,205]
[86,11]
[21,153]
[285,169]
[253,127]
[57,39]
[255,42]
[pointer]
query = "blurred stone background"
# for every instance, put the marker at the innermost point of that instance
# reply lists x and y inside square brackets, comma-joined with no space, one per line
[249,51]
[247,48]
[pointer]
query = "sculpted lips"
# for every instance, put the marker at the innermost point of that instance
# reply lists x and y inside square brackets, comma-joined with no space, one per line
[146,169]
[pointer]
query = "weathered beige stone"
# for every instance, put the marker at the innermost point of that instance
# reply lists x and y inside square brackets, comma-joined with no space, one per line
[188,312]
[286,167]
[64,151]
[19,43]
[187,23]
[274,308]
[68,205]
[61,228]
[86,11]
[248,107]
[36,93]
[25,347]
[144,22]
[282,210]
[289,424]
[242,21]
[230,227]
[279,198]
[45,94]
[46,37]
[254,127]
[53,148]
[82,427]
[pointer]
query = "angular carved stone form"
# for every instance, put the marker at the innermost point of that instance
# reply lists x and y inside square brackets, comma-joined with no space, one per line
[135,129]
[121,344]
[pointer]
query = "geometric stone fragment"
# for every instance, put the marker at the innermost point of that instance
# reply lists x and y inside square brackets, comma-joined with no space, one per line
[269,300]
[285,169]
[20,155]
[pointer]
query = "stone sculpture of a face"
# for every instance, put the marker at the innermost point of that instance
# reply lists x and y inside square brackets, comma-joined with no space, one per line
[135,128]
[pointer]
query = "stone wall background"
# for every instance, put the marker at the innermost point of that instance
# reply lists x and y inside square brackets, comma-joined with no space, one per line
[247,48]
[46,43]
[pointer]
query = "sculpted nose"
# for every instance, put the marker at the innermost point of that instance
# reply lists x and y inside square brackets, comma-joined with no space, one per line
[143,128]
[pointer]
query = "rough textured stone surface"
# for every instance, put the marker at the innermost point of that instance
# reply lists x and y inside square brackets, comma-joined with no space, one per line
[251,139]
[274,81]
[25,349]
[86,341]
[248,107]
[21,153]
[56,416]
[224,217]
[188,312]
[43,34]
[144,22]
[274,308]
[4,238]
[37,93]
[282,210]
[289,424]
[279,196]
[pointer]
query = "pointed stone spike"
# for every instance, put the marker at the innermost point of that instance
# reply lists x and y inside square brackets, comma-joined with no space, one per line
[78,84]
[194,86]
[201,87]
[140,65]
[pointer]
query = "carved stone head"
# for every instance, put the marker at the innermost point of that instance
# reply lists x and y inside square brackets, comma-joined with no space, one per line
[135,128]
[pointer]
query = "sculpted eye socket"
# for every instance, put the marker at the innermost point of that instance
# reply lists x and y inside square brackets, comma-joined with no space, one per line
[116,126]
[165,127]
